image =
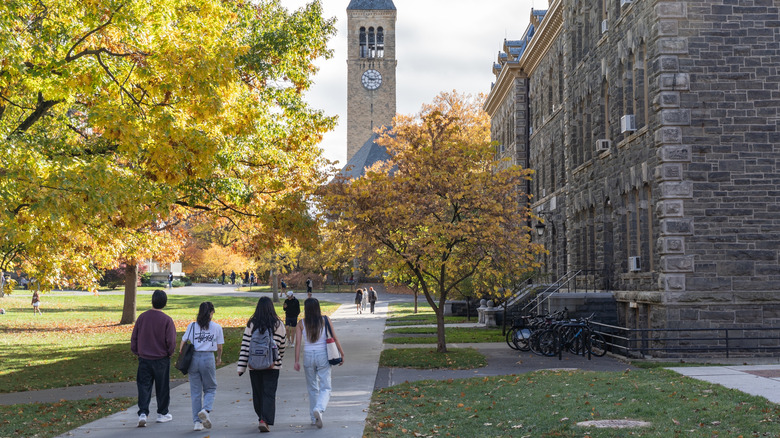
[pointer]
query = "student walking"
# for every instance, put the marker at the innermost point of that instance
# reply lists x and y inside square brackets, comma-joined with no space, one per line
[223,277]
[264,381]
[311,333]
[36,304]
[154,341]
[170,280]
[207,338]
[232,277]
[292,308]
[372,297]
[359,300]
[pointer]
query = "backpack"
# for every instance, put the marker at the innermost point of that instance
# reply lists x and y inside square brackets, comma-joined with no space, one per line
[371,295]
[263,351]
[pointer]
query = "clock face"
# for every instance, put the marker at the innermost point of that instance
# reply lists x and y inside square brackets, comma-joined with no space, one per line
[371,79]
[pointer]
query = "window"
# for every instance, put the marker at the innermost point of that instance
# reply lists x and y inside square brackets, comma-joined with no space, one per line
[363,49]
[605,109]
[371,43]
[380,42]
[641,82]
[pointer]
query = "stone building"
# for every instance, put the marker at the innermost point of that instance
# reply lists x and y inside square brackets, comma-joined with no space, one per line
[652,126]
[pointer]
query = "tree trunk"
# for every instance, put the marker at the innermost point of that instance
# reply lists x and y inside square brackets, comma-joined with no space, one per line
[131,280]
[415,301]
[441,343]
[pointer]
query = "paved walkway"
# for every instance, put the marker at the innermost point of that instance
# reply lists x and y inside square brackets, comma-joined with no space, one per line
[233,415]
[353,383]
[761,380]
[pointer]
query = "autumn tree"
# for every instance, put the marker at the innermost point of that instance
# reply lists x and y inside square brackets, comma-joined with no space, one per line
[120,119]
[441,208]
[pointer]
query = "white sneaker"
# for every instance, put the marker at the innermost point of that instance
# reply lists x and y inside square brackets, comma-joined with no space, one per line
[164,418]
[142,420]
[204,417]
[318,419]
[198,427]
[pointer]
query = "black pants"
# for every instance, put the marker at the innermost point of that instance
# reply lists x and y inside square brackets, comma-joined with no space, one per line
[264,384]
[155,372]
[372,305]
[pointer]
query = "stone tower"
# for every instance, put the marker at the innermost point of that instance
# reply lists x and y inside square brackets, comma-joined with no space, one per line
[371,67]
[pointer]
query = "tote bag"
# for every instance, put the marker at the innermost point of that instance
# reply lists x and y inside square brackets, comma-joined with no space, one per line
[185,357]
[334,357]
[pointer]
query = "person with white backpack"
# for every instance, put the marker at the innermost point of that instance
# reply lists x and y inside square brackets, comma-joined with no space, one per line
[262,350]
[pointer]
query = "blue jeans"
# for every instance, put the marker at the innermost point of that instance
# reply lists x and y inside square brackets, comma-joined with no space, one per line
[155,372]
[317,369]
[203,382]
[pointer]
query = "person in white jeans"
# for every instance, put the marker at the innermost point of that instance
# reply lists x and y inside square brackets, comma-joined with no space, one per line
[311,333]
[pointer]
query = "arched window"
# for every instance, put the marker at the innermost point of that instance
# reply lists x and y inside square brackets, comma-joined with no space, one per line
[380,42]
[363,50]
[371,43]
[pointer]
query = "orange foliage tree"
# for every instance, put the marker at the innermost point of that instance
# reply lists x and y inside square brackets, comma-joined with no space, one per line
[441,208]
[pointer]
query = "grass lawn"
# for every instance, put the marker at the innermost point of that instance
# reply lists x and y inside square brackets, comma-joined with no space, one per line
[550,404]
[426,358]
[77,340]
[50,420]
[452,335]
[403,314]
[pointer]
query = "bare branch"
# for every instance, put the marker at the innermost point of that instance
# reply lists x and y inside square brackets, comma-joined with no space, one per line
[41,109]
[70,57]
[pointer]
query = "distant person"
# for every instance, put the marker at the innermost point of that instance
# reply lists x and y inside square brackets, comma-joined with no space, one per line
[223,277]
[372,297]
[309,285]
[232,277]
[284,286]
[252,278]
[311,333]
[364,301]
[170,280]
[359,300]
[292,308]
[264,381]
[154,342]
[207,338]
[36,304]
[246,277]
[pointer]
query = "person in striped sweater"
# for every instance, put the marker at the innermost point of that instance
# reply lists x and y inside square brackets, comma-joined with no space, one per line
[264,382]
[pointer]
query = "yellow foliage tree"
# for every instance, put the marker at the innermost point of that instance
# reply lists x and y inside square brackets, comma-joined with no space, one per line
[121,119]
[441,208]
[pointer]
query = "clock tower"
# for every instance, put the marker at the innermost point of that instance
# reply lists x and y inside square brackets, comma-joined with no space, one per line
[370,69]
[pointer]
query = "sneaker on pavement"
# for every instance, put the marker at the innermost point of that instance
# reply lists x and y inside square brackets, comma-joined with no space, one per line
[198,426]
[263,426]
[204,418]
[318,419]
[142,420]
[164,418]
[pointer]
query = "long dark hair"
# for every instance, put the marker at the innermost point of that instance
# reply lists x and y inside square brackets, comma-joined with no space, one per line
[312,319]
[265,317]
[204,314]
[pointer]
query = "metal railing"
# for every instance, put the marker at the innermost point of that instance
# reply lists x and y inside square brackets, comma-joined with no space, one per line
[689,341]
[547,293]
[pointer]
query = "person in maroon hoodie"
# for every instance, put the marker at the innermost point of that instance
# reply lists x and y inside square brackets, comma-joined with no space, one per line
[154,341]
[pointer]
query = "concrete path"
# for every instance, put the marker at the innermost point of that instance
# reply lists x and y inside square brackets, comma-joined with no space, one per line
[233,415]
[760,380]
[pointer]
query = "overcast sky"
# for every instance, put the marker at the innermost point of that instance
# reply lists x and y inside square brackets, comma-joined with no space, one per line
[442,45]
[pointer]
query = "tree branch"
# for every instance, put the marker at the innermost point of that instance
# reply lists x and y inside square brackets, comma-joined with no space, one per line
[70,57]
[42,107]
